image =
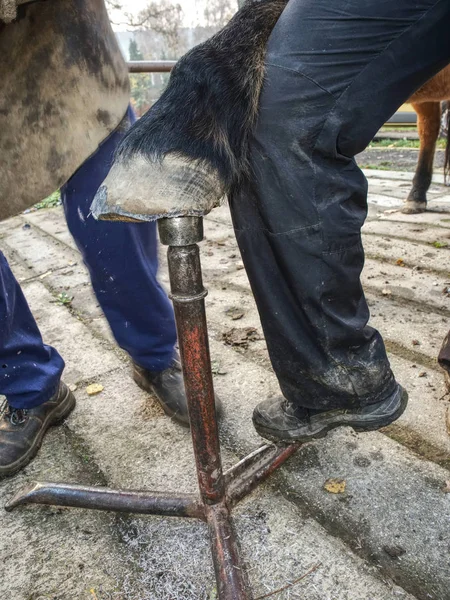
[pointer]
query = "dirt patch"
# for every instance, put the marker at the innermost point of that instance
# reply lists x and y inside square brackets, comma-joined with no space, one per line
[241,336]
[395,159]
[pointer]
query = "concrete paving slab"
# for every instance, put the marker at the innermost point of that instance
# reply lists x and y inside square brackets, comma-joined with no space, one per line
[437,214]
[414,232]
[397,175]
[48,258]
[84,355]
[52,221]
[407,285]
[53,552]
[393,509]
[41,252]
[406,253]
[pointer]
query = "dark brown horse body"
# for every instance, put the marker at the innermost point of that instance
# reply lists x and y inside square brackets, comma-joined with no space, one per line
[427,104]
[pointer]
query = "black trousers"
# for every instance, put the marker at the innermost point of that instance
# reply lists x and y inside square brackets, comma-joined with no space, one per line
[336,71]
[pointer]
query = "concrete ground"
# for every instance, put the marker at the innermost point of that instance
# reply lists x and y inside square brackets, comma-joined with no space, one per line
[385,537]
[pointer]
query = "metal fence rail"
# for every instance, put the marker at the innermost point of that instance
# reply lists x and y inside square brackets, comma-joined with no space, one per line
[401,117]
[151,66]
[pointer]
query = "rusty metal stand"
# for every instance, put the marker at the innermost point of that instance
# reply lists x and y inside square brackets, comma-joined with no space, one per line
[219,491]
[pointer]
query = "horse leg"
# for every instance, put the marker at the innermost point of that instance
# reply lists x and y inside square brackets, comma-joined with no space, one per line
[428,124]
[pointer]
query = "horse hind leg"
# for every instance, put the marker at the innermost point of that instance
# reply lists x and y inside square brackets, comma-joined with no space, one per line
[428,124]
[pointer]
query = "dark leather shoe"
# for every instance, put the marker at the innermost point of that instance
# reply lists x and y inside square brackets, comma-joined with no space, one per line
[278,419]
[168,386]
[22,430]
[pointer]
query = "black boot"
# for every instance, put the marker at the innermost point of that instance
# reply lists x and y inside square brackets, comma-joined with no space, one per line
[168,386]
[444,360]
[22,430]
[278,419]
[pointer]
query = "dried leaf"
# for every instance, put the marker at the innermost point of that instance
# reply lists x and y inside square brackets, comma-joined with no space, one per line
[335,486]
[94,388]
[400,262]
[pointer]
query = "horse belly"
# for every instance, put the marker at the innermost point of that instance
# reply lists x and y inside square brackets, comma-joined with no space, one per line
[435,90]
[64,89]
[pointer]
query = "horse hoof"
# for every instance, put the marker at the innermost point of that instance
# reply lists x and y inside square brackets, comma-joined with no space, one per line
[414,208]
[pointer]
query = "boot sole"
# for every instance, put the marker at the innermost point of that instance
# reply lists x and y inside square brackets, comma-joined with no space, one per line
[64,408]
[142,382]
[359,425]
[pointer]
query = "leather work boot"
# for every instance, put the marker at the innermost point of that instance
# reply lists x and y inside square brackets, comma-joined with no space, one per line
[278,419]
[22,430]
[168,386]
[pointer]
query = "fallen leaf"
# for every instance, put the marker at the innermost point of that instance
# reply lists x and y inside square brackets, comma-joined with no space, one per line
[235,313]
[386,292]
[94,388]
[335,486]
[400,262]
[394,551]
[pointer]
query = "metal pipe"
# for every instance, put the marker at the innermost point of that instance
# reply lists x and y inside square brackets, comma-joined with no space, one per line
[231,577]
[128,501]
[188,293]
[240,483]
[151,66]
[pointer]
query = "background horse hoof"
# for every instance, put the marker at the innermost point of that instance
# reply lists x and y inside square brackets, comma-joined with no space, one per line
[414,208]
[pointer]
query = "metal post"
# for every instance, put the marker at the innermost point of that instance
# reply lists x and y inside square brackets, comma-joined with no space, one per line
[188,295]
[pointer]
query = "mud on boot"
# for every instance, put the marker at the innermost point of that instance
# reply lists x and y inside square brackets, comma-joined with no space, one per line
[278,419]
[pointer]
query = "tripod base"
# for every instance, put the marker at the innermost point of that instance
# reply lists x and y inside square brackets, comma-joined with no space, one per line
[219,491]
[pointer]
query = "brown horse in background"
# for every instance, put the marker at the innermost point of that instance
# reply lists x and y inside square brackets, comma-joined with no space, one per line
[427,104]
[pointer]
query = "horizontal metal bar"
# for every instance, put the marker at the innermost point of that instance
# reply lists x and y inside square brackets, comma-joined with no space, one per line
[151,66]
[129,501]
[258,466]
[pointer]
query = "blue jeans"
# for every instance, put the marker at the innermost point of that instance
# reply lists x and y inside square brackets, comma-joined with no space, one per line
[122,262]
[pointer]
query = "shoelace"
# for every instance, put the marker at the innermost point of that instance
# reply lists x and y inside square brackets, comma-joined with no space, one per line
[16,416]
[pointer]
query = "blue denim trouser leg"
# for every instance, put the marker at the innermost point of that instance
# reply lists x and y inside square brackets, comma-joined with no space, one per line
[122,261]
[29,370]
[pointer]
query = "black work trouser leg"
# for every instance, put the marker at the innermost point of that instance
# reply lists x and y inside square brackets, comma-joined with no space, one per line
[336,71]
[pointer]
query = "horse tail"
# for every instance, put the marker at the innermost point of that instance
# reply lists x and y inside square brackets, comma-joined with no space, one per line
[210,106]
[447,148]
